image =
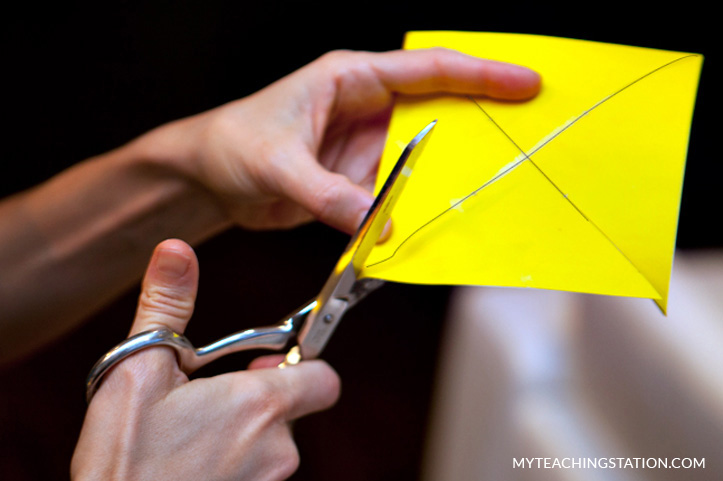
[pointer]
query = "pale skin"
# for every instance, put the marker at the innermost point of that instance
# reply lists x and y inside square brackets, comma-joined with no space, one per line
[304,148]
[147,421]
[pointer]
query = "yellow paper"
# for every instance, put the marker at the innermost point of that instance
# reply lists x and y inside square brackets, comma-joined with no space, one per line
[577,189]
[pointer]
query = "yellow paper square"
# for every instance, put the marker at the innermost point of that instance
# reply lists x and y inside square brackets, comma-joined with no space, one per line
[577,189]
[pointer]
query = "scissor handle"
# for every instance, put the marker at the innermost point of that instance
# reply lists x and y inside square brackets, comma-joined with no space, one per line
[189,358]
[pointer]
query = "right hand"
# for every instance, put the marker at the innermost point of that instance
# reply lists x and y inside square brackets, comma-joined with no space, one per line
[148,421]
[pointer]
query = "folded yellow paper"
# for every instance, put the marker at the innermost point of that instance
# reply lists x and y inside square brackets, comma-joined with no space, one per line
[577,189]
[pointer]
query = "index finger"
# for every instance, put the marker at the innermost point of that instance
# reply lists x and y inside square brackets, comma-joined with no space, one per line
[297,390]
[439,69]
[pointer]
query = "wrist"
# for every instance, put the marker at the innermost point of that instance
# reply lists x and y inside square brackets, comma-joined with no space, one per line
[170,153]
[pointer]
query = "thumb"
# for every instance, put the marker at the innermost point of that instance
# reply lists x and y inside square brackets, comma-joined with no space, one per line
[330,197]
[168,292]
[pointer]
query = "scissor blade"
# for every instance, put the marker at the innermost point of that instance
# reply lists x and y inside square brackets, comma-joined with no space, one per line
[344,288]
[381,210]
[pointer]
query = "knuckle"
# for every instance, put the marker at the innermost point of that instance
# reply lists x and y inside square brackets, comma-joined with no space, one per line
[346,67]
[269,401]
[335,57]
[277,405]
[439,58]
[437,51]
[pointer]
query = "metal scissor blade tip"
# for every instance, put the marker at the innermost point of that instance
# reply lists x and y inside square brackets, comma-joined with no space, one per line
[415,141]
[426,129]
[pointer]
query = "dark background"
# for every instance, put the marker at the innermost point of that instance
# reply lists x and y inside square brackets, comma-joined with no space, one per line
[80,78]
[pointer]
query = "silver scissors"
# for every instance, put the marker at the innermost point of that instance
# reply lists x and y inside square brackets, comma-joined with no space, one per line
[311,325]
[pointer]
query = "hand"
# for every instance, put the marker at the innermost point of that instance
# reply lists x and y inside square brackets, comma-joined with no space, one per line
[147,421]
[305,147]
[308,145]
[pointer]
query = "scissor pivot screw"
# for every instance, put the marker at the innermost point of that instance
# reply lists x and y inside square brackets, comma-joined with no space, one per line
[328,318]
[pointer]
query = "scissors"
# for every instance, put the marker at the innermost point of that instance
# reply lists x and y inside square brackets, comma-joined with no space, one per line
[312,324]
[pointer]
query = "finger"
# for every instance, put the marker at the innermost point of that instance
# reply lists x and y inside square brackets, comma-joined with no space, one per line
[168,292]
[167,298]
[300,389]
[435,70]
[265,362]
[330,197]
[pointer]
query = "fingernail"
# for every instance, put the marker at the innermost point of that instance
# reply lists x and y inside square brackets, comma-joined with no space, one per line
[171,263]
[386,232]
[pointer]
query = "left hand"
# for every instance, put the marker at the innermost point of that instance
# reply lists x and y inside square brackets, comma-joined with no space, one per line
[308,145]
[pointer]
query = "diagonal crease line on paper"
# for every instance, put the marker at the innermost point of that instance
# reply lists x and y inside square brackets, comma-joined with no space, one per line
[527,156]
[546,140]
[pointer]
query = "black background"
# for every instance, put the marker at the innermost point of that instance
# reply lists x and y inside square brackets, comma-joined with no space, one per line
[80,78]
